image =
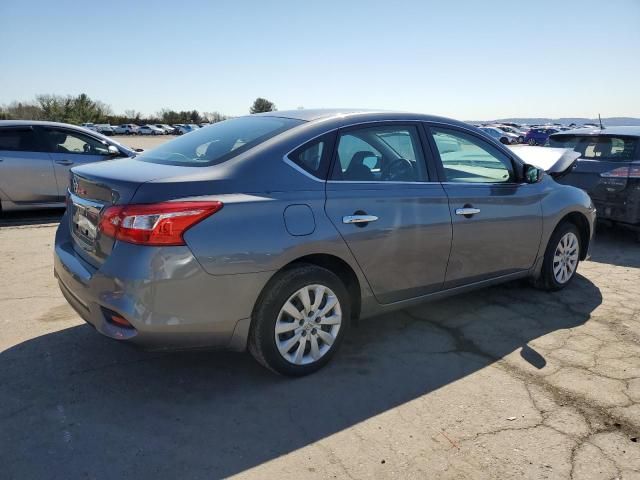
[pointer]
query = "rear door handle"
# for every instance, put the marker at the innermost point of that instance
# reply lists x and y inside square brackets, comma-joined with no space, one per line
[467,211]
[359,219]
[64,162]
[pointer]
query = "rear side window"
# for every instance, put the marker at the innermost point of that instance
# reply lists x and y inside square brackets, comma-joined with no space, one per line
[219,142]
[315,156]
[598,147]
[18,140]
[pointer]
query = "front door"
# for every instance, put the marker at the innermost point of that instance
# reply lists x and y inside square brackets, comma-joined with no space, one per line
[497,220]
[67,149]
[26,173]
[395,222]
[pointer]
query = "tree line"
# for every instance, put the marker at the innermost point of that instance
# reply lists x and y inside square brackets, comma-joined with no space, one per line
[82,109]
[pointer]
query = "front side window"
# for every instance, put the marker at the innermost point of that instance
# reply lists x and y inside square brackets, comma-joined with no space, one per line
[380,154]
[598,147]
[219,142]
[17,140]
[65,141]
[468,159]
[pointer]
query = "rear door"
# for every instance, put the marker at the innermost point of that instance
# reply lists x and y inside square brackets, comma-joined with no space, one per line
[68,148]
[26,172]
[497,220]
[394,220]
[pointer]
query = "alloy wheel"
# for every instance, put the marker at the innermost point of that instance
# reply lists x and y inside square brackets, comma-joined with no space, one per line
[308,324]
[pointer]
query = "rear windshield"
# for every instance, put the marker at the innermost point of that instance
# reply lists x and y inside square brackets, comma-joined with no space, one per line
[598,147]
[217,143]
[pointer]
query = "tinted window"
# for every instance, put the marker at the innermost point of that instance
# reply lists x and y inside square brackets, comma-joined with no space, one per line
[18,139]
[65,141]
[314,157]
[467,159]
[603,147]
[219,142]
[374,154]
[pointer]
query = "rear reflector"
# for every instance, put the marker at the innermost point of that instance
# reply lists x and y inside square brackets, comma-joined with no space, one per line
[120,321]
[155,224]
[632,171]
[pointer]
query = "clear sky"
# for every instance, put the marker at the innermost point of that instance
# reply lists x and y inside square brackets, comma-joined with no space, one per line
[464,59]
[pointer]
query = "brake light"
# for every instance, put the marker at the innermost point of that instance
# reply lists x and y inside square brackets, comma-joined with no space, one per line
[155,224]
[632,171]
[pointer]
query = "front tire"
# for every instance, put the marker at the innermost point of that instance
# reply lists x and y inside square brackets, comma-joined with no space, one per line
[300,320]
[561,258]
[532,142]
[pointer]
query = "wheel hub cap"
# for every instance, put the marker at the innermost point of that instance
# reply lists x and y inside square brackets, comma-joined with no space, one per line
[565,258]
[308,324]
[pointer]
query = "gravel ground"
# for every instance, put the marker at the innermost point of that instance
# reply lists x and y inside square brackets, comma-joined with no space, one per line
[505,382]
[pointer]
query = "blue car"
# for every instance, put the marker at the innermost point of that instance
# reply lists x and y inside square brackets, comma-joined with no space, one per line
[539,136]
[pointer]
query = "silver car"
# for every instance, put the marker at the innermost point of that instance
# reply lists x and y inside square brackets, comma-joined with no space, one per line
[273,232]
[35,159]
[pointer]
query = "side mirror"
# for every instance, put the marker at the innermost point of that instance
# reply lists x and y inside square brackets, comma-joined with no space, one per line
[532,174]
[113,150]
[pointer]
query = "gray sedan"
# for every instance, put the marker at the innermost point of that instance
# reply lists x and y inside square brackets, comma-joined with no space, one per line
[273,232]
[35,159]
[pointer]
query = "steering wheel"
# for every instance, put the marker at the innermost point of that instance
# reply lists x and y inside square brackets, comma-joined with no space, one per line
[399,169]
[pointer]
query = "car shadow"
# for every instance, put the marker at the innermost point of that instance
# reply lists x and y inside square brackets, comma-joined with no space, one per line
[35,217]
[74,403]
[616,246]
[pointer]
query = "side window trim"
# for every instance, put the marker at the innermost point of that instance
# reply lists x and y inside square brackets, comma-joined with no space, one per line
[515,166]
[373,124]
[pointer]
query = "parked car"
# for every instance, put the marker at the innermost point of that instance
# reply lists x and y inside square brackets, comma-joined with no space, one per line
[502,137]
[539,135]
[181,129]
[169,129]
[105,129]
[519,134]
[150,130]
[35,159]
[89,126]
[608,170]
[274,231]
[126,129]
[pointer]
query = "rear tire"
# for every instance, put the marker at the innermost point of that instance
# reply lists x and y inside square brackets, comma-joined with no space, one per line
[532,142]
[308,336]
[561,258]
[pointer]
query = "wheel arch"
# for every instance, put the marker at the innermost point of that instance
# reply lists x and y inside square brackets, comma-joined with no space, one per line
[582,224]
[334,264]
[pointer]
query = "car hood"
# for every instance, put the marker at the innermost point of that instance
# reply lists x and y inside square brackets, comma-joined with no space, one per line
[551,160]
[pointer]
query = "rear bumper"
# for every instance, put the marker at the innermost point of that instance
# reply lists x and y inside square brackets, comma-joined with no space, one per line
[622,207]
[171,302]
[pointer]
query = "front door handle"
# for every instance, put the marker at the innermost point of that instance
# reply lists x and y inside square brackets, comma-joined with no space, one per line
[467,211]
[64,162]
[362,219]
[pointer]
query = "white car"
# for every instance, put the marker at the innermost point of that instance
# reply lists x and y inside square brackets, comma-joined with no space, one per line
[150,130]
[126,129]
[90,126]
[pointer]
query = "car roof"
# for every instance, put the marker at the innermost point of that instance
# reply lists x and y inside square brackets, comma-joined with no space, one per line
[346,116]
[630,130]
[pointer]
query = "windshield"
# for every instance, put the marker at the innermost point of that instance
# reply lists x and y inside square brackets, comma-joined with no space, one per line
[598,147]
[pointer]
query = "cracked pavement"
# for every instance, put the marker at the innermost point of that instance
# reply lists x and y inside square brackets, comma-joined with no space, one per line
[500,383]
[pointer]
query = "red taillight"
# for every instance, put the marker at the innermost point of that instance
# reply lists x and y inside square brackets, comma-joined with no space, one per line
[155,224]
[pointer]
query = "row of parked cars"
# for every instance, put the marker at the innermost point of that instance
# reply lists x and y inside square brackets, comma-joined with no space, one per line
[148,129]
[514,133]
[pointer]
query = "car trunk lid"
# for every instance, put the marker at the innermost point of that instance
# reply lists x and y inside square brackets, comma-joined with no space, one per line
[95,187]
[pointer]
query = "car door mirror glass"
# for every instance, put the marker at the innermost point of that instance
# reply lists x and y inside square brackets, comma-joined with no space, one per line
[532,174]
